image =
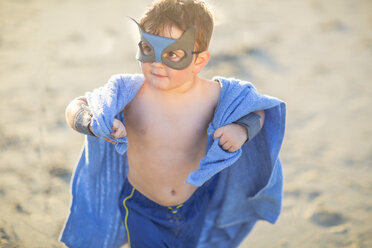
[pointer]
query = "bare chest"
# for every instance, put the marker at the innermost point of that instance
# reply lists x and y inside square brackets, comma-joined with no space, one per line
[167,127]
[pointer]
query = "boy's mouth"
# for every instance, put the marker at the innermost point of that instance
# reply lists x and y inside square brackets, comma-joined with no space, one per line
[158,75]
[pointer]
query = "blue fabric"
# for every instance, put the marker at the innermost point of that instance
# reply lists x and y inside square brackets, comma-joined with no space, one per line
[107,101]
[249,186]
[154,226]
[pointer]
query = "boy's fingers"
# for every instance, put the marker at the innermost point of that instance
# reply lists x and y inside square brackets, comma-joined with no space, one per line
[119,129]
[116,134]
[223,140]
[232,149]
[217,133]
[226,146]
[120,133]
[115,126]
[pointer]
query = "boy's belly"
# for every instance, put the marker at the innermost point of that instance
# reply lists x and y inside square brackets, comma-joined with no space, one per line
[160,174]
[165,194]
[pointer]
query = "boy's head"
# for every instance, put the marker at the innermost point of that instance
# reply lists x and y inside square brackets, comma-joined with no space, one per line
[175,35]
[182,14]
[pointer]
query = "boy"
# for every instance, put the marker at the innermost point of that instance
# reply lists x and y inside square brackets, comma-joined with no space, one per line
[175,122]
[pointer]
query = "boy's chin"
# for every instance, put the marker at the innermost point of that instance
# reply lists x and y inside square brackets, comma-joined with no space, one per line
[165,86]
[159,83]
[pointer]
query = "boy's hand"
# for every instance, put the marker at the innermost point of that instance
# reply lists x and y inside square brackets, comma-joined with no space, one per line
[232,136]
[119,131]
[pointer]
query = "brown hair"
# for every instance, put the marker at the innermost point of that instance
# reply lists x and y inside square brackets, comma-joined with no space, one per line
[183,14]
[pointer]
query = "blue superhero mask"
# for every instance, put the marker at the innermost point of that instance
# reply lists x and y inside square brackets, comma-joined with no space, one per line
[174,53]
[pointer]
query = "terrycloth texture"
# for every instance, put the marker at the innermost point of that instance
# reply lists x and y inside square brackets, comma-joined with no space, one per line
[107,101]
[248,191]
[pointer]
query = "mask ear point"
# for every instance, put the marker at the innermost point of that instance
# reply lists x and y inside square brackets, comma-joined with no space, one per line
[139,26]
[190,33]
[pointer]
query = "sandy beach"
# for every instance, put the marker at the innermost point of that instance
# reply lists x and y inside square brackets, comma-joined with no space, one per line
[315,55]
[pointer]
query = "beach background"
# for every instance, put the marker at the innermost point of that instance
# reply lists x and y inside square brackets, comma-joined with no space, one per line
[315,55]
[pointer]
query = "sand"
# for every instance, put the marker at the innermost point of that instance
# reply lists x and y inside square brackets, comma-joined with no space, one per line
[315,55]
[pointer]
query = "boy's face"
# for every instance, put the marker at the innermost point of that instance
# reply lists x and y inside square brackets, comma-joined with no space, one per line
[163,77]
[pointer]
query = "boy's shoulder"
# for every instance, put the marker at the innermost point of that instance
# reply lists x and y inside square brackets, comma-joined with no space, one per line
[210,85]
[211,89]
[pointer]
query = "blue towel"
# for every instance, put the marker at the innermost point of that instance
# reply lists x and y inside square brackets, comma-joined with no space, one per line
[107,101]
[249,184]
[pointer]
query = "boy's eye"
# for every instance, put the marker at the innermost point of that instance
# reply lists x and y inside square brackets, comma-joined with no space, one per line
[145,48]
[174,56]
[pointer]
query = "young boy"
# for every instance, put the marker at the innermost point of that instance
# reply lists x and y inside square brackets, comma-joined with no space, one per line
[181,128]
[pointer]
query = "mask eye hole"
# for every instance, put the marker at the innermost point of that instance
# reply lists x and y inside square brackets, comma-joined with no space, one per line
[146,49]
[175,55]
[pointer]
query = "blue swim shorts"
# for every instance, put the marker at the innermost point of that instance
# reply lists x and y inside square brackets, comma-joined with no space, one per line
[151,225]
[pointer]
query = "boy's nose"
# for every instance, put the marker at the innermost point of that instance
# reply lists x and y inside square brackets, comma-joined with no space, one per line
[157,64]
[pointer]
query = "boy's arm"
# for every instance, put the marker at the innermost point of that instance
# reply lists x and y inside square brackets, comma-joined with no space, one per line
[234,135]
[252,122]
[78,115]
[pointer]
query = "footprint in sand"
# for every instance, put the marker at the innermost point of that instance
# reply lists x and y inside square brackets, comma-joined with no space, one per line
[326,218]
[4,237]
[299,193]
[18,207]
[62,173]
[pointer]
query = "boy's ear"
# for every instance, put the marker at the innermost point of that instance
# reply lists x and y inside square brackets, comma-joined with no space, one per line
[201,61]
